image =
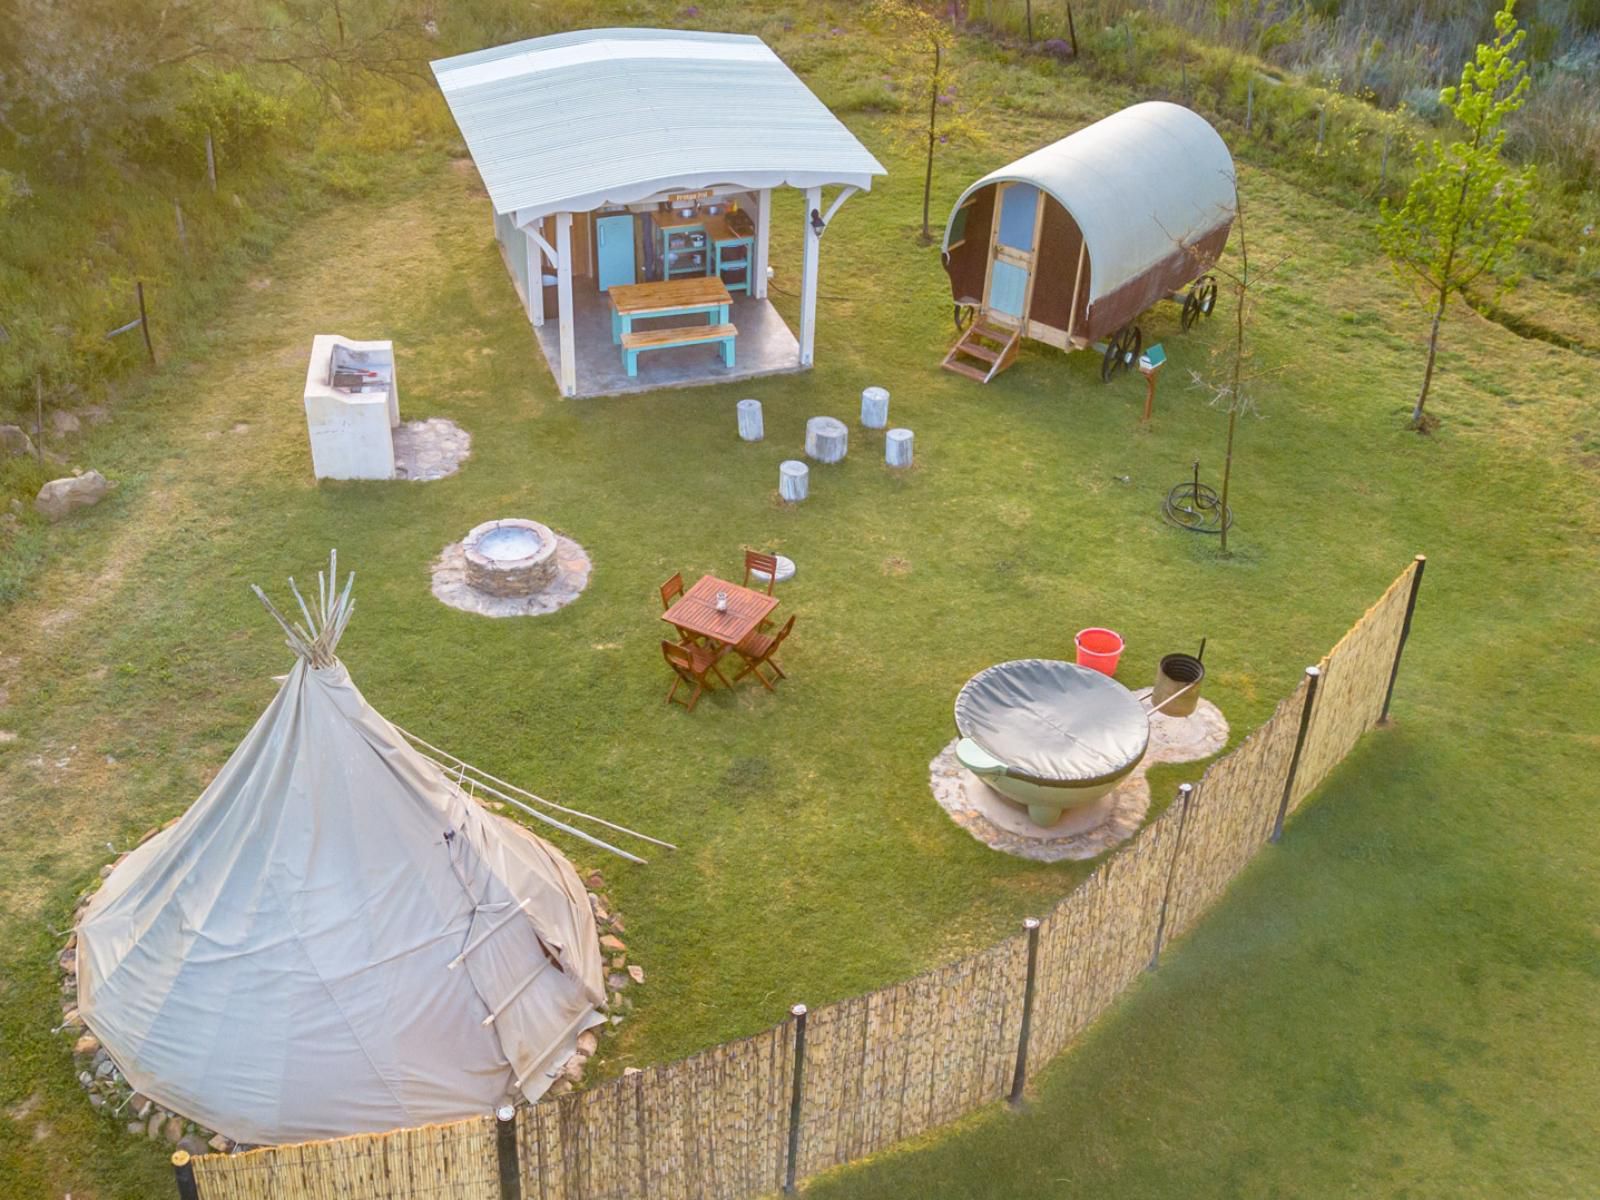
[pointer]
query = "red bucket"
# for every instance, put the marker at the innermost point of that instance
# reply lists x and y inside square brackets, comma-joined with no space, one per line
[1099,649]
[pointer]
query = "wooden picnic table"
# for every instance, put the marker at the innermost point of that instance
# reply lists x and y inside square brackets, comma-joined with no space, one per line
[670,298]
[696,612]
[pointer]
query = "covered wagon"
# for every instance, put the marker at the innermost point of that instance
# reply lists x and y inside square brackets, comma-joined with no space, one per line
[1069,245]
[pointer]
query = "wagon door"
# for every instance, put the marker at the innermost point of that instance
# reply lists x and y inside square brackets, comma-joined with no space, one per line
[1011,260]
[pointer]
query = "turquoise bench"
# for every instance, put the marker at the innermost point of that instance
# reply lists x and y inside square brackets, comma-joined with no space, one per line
[635,343]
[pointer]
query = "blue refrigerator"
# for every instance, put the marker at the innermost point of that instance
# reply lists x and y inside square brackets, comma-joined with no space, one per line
[614,251]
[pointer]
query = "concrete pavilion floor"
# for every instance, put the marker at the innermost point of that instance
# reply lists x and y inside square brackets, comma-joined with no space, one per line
[765,346]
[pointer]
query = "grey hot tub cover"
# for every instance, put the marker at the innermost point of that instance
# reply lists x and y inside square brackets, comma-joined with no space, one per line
[277,964]
[1054,722]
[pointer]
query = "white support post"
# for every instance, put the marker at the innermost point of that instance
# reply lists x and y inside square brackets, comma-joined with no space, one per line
[535,280]
[758,281]
[569,354]
[808,279]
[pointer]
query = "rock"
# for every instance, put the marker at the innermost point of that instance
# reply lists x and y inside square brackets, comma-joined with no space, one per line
[64,422]
[135,1127]
[96,1102]
[598,907]
[617,981]
[87,1044]
[588,1043]
[61,496]
[616,923]
[573,1069]
[616,1001]
[220,1144]
[559,1088]
[636,973]
[105,1070]
[194,1144]
[632,1071]
[152,1127]
[15,441]
[68,961]
[615,1021]
[614,944]
[86,1078]
[619,962]
[595,881]
[140,1104]
[172,1130]
[105,871]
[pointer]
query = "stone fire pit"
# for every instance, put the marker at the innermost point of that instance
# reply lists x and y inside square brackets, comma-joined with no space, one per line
[510,558]
[512,567]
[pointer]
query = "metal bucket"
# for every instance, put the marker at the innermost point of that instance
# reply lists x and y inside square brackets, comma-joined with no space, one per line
[1176,672]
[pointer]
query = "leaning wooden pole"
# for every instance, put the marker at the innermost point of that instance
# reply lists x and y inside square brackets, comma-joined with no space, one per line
[1405,632]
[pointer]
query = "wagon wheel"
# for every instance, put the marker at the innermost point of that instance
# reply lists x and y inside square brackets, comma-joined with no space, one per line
[962,315]
[1112,359]
[1191,307]
[1132,343]
[1208,295]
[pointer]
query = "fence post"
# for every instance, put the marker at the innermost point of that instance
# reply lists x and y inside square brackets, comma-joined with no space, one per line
[1322,127]
[798,1012]
[506,1152]
[1028,8]
[177,212]
[1020,1077]
[1405,632]
[144,323]
[1185,791]
[1249,101]
[38,417]
[1072,31]
[1313,677]
[183,1170]
[211,162]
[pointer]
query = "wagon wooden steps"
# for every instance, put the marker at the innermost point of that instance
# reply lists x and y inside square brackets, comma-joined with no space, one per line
[983,351]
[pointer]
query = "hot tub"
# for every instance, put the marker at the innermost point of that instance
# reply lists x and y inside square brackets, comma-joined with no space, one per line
[1049,736]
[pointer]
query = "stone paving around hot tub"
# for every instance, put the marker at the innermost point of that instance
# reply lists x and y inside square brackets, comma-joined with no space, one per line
[572,576]
[1000,825]
[429,450]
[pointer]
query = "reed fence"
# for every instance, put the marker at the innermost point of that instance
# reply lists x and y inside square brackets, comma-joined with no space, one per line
[824,1088]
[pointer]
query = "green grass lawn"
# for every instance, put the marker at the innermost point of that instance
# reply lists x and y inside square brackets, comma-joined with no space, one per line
[1393,1002]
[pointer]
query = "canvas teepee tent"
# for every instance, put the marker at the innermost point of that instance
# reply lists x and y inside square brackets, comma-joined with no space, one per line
[335,938]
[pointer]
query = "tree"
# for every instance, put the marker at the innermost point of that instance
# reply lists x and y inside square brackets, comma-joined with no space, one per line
[1466,210]
[919,57]
[1230,387]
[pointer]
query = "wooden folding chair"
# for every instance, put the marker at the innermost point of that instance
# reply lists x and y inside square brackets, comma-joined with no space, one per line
[691,664]
[671,590]
[754,560]
[758,648]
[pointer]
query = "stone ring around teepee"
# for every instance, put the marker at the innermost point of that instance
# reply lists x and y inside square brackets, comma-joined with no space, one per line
[337,936]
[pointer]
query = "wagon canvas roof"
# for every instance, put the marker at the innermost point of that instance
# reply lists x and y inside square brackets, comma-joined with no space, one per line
[1139,183]
[574,121]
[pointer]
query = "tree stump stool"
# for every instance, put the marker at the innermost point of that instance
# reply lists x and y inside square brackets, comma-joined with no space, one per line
[750,420]
[897,448]
[827,439]
[875,407]
[793,476]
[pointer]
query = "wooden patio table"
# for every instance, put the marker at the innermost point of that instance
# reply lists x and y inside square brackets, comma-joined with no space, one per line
[671,298]
[696,612]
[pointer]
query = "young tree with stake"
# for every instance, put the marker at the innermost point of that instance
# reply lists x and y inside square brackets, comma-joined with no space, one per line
[920,60]
[1466,210]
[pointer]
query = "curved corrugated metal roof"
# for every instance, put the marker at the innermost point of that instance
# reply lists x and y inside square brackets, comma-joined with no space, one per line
[577,120]
[1140,183]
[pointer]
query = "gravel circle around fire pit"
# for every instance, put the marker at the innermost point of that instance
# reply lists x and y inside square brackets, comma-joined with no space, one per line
[572,576]
[1000,825]
[429,450]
